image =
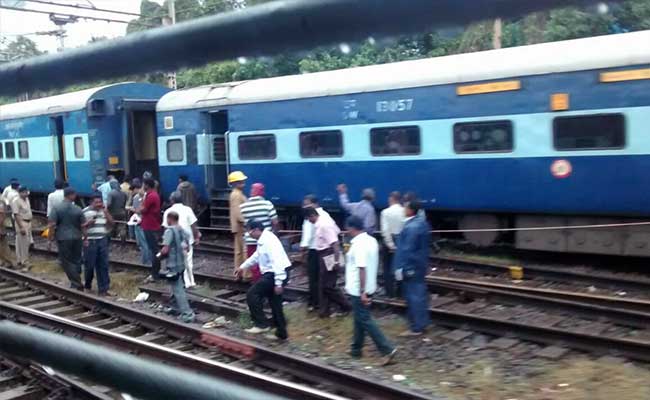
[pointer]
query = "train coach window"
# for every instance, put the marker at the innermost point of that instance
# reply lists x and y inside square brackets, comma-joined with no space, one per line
[23,149]
[79,147]
[483,137]
[589,132]
[175,150]
[256,147]
[10,150]
[2,152]
[321,144]
[395,141]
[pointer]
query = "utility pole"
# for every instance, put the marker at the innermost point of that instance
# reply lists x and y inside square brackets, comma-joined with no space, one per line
[171,20]
[498,33]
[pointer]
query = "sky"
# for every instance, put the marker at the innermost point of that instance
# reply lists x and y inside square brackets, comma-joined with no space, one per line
[13,23]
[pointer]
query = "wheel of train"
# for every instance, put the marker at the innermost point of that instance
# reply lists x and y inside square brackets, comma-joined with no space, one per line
[471,222]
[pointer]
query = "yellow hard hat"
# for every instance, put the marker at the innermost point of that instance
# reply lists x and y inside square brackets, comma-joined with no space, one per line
[236,176]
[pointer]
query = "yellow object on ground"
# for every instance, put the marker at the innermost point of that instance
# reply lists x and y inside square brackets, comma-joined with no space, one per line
[516,272]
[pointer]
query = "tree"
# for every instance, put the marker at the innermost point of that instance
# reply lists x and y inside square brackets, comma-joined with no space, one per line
[20,48]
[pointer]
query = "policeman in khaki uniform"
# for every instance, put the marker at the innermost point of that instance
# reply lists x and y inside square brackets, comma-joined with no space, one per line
[237,180]
[22,212]
[6,256]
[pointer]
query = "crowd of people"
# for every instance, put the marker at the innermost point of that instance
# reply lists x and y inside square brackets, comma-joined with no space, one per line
[404,252]
[133,208]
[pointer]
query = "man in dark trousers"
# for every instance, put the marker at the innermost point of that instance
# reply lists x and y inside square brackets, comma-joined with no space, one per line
[326,242]
[150,224]
[360,284]
[96,237]
[411,263]
[273,262]
[66,222]
[308,246]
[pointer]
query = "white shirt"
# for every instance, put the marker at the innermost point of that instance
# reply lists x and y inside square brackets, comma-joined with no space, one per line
[53,199]
[270,256]
[186,219]
[9,194]
[392,223]
[363,253]
[308,229]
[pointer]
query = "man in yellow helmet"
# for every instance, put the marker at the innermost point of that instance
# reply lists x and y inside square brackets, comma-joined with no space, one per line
[237,180]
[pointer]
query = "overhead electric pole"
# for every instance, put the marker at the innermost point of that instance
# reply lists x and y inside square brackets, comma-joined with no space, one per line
[171,20]
[498,33]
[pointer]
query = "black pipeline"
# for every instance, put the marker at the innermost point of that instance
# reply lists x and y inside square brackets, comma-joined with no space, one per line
[268,29]
[129,374]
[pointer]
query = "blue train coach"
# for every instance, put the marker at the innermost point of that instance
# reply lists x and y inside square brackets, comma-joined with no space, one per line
[80,137]
[553,134]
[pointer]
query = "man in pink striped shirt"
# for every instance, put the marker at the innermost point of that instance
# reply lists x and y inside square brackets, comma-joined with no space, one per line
[326,242]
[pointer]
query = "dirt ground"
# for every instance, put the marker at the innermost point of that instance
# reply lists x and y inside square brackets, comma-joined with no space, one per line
[466,369]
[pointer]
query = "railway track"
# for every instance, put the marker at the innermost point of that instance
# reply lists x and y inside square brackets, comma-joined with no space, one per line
[20,380]
[598,324]
[548,274]
[34,301]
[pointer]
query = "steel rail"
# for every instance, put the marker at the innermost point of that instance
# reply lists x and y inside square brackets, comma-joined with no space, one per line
[57,384]
[552,274]
[628,348]
[600,300]
[343,382]
[287,25]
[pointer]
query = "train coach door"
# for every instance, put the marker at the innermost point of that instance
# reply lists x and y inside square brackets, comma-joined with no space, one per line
[218,175]
[58,139]
[140,142]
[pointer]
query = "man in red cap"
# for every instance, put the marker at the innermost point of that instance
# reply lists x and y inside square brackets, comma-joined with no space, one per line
[259,209]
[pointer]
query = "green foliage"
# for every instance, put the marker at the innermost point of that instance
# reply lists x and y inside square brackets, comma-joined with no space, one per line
[572,23]
[634,14]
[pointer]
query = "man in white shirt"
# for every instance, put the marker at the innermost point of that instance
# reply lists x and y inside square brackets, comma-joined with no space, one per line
[310,254]
[273,263]
[188,222]
[392,223]
[362,261]
[56,197]
[11,191]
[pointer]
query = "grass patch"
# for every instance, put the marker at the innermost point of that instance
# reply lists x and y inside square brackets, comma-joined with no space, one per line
[123,283]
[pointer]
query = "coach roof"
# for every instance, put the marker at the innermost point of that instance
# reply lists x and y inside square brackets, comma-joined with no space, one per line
[61,103]
[571,55]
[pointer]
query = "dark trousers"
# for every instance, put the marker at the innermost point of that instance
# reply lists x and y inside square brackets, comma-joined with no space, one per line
[390,285]
[329,292]
[96,260]
[265,289]
[363,323]
[152,238]
[70,260]
[416,294]
[313,273]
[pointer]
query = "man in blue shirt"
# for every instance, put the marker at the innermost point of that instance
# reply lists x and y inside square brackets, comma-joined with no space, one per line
[411,262]
[363,209]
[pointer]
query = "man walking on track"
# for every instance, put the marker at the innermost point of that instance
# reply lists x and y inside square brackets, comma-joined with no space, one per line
[22,212]
[237,180]
[273,262]
[96,237]
[188,223]
[326,241]
[6,257]
[411,263]
[66,222]
[307,244]
[360,284]
[392,222]
[259,209]
[150,224]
